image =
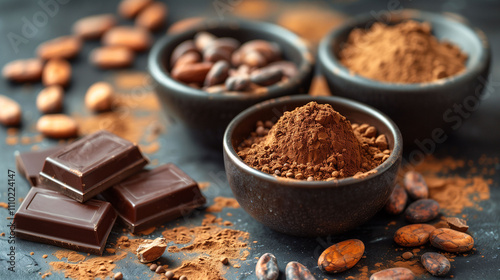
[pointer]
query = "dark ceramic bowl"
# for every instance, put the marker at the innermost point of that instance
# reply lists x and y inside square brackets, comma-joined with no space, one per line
[305,208]
[423,110]
[207,115]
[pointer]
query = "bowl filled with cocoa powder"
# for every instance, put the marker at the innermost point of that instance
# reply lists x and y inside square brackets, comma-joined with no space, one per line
[208,74]
[311,166]
[426,71]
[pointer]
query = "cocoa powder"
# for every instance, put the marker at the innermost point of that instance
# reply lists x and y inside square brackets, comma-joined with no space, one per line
[402,53]
[315,142]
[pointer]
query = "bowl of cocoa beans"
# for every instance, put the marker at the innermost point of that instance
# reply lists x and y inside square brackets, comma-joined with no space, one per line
[208,74]
[426,71]
[312,166]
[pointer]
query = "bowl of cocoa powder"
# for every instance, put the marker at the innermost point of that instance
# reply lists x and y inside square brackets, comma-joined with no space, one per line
[426,71]
[311,166]
[208,74]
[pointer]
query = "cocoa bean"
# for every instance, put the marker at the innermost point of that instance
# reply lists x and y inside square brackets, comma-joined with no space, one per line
[23,70]
[436,264]
[64,47]
[413,235]
[451,240]
[397,201]
[56,72]
[225,43]
[188,58]
[99,97]
[57,126]
[10,111]
[214,54]
[181,49]
[288,68]
[397,273]
[183,25]
[134,38]
[93,27]
[218,74]
[151,250]
[422,211]
[266,76]
[381,142]
[237,83]
[153,17]
[112,57]
[131,8]
[415,185]
[457,224]
[203,40]
[341,256]
[192,73]
[270,51]
[297,271]
[254,59]
[50,99]
[267,267]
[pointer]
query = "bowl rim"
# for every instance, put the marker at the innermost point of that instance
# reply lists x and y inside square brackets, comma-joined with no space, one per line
[394,157]
[330,62]
[163,78]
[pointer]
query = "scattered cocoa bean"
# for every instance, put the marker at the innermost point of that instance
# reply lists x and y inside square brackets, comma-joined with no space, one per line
[57,126]
[450,240]
[457,224]
[56,72]
[436,264]
[183,277]
[397,201]
[217,74]
[64,47]
[153,267]
[151,250]
[118,276]
[397,273]
[23,70]
[153,17]
[237,83]
[99,97]
[50,100]
[192,73]
[134,38]
[341,256]
[131,8]
[422,211]
[407,255]
[160,269]
[93,27]
[415,185]
[413,235]
[112,57]
[267,267]
[10,111]
[297,271]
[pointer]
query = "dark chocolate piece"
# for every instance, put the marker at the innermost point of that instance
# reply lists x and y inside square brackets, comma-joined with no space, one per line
[30,163]
[49,217]
[92,164]
[154,196]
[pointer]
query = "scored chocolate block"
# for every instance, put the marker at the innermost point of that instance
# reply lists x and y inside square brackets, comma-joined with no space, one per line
[30,163]
[92,164]
[154,196]
[48,217]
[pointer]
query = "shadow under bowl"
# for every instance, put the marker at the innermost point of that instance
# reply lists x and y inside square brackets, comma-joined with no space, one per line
[299,207]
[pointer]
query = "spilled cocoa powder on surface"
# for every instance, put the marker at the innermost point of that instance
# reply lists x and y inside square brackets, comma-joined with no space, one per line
[221,203]
[315,141]
[403,53]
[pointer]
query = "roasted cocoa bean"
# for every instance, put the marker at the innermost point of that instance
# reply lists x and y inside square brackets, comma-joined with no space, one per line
[270,51]
[188,58]
[422,211]
[397,273]
[112,57]
[225,43]
[57,126]
[288,68]
[203,40]
[297,271]
[192,73]
[56,72]
[65,47]
[134,38]
[50,100]
[151,250]
[341,256]
[397,201]
[381,142]
[237,83]
[99,97]
[415,185]
[10,111]
[451,240]
[23,70]
[267,267]
[413,235]
[131,8]
[266,76]
[218,73]
[181,49]
[153,17]
[254,59]
[436,264]
[93,27]
[457,224]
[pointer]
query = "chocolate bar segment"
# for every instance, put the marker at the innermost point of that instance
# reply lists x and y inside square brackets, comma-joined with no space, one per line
[154,196]
[48,217]
[88,166]
[30,163]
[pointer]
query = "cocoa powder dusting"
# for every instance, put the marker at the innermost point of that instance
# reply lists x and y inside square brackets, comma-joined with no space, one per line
[315,141]
[402,53]
[222,202]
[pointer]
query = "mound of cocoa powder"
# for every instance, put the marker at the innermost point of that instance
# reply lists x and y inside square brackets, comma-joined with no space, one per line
[314,142]
[401,53]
